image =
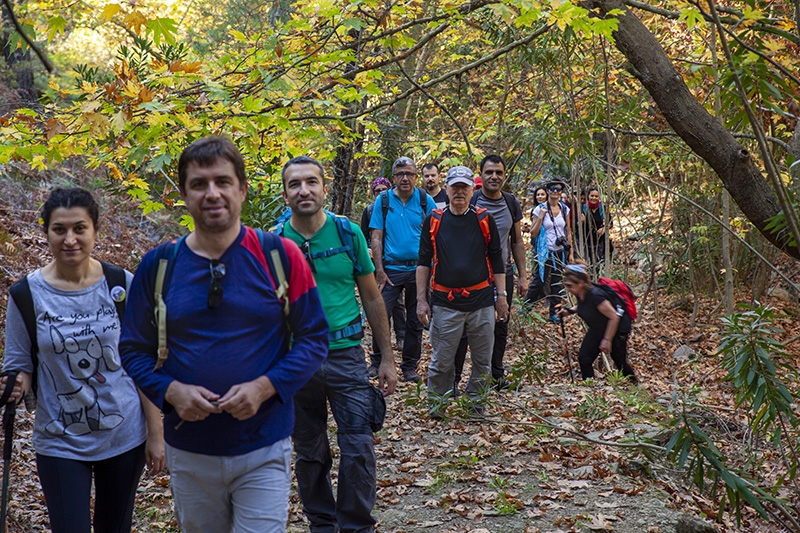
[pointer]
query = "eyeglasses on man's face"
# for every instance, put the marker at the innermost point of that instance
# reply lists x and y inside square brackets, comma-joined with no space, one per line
[401,175]
[215,289]
[555,189]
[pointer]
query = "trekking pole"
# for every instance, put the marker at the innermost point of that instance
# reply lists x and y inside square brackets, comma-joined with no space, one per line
[566,351]
[8,430]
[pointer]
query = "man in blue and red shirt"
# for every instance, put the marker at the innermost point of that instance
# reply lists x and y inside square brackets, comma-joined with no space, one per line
[235,360]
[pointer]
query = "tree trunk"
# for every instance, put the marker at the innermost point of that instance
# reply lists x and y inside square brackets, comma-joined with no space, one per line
[20,71]
[689,119]
[345,165]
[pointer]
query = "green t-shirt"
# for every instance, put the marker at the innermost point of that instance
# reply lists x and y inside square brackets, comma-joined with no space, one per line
[335,276]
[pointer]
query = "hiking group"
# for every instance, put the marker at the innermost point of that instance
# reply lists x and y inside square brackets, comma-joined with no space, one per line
[226,349]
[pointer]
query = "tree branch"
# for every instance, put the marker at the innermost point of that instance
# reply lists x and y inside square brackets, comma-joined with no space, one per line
[435,81]
[441,106]
[43,58]
[719,222]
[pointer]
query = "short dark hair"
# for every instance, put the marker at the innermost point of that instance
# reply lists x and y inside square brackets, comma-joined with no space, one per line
[403,161]
[69,198]
[426,166]
[492,158]
[205,152]
[302,160]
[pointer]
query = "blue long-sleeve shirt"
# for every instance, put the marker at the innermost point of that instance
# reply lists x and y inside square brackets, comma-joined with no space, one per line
[245,337]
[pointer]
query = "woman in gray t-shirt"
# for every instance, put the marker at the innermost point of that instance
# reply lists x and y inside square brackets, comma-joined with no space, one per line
[91,422]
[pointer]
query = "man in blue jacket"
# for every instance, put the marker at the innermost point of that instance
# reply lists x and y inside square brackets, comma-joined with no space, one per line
[235,359]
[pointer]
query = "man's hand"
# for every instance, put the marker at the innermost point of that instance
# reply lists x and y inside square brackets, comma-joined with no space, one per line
[501,306]
[522,286]
[424,312]
[243,401]
[381,279]
[191,402]
[387,375]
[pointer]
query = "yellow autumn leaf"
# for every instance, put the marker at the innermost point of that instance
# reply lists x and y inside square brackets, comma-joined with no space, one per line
[109,11]
[131,89]
[115,172]
[774,45]
[135,21]
[135,181]
[118,121]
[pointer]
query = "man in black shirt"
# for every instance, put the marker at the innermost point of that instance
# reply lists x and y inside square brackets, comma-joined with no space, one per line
[461,260]
[430,178]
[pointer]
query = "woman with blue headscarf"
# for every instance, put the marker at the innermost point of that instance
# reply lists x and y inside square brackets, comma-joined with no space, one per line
[551,235]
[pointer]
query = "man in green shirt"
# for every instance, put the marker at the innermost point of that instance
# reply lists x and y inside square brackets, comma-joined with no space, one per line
[357,406]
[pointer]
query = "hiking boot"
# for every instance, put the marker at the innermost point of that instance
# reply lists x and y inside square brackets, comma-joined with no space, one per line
[373,372]
[554,319]
[502,385]
[476,411]
[436,414]
[411,376]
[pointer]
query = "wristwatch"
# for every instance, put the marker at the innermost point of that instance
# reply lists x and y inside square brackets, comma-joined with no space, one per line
[502,293]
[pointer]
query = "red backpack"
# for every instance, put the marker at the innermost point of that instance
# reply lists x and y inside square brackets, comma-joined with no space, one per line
[625,293]
[483,222]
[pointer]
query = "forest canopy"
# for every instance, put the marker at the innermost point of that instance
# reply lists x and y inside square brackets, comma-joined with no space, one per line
[553,86]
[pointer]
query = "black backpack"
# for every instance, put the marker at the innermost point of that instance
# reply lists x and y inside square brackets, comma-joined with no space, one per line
[21,292]
[509,198]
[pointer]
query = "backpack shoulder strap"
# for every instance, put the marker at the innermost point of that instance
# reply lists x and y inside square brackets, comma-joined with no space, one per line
[475,196]
[277,229]
[165,256]
[21,292]
[423,201]
[385,206]
[483,222]
[346,234]
[115,277]
[278,263]
[510,198]
[436,220]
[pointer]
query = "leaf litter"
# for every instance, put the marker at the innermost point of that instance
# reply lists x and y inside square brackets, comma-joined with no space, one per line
[551,457]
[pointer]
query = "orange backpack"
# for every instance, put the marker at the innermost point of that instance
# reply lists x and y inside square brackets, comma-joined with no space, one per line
[483,222]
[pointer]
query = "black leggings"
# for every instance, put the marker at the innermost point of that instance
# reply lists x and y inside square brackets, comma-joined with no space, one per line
[67,483]
[590,350]
[551,285]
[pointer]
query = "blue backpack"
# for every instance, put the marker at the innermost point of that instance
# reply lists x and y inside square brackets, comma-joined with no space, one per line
[355,329]
[343,228]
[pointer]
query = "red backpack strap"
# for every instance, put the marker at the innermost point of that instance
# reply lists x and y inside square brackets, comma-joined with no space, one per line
[483,221]
[436,221]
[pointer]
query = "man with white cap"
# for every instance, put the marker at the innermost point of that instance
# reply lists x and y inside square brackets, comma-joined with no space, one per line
[461,260]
